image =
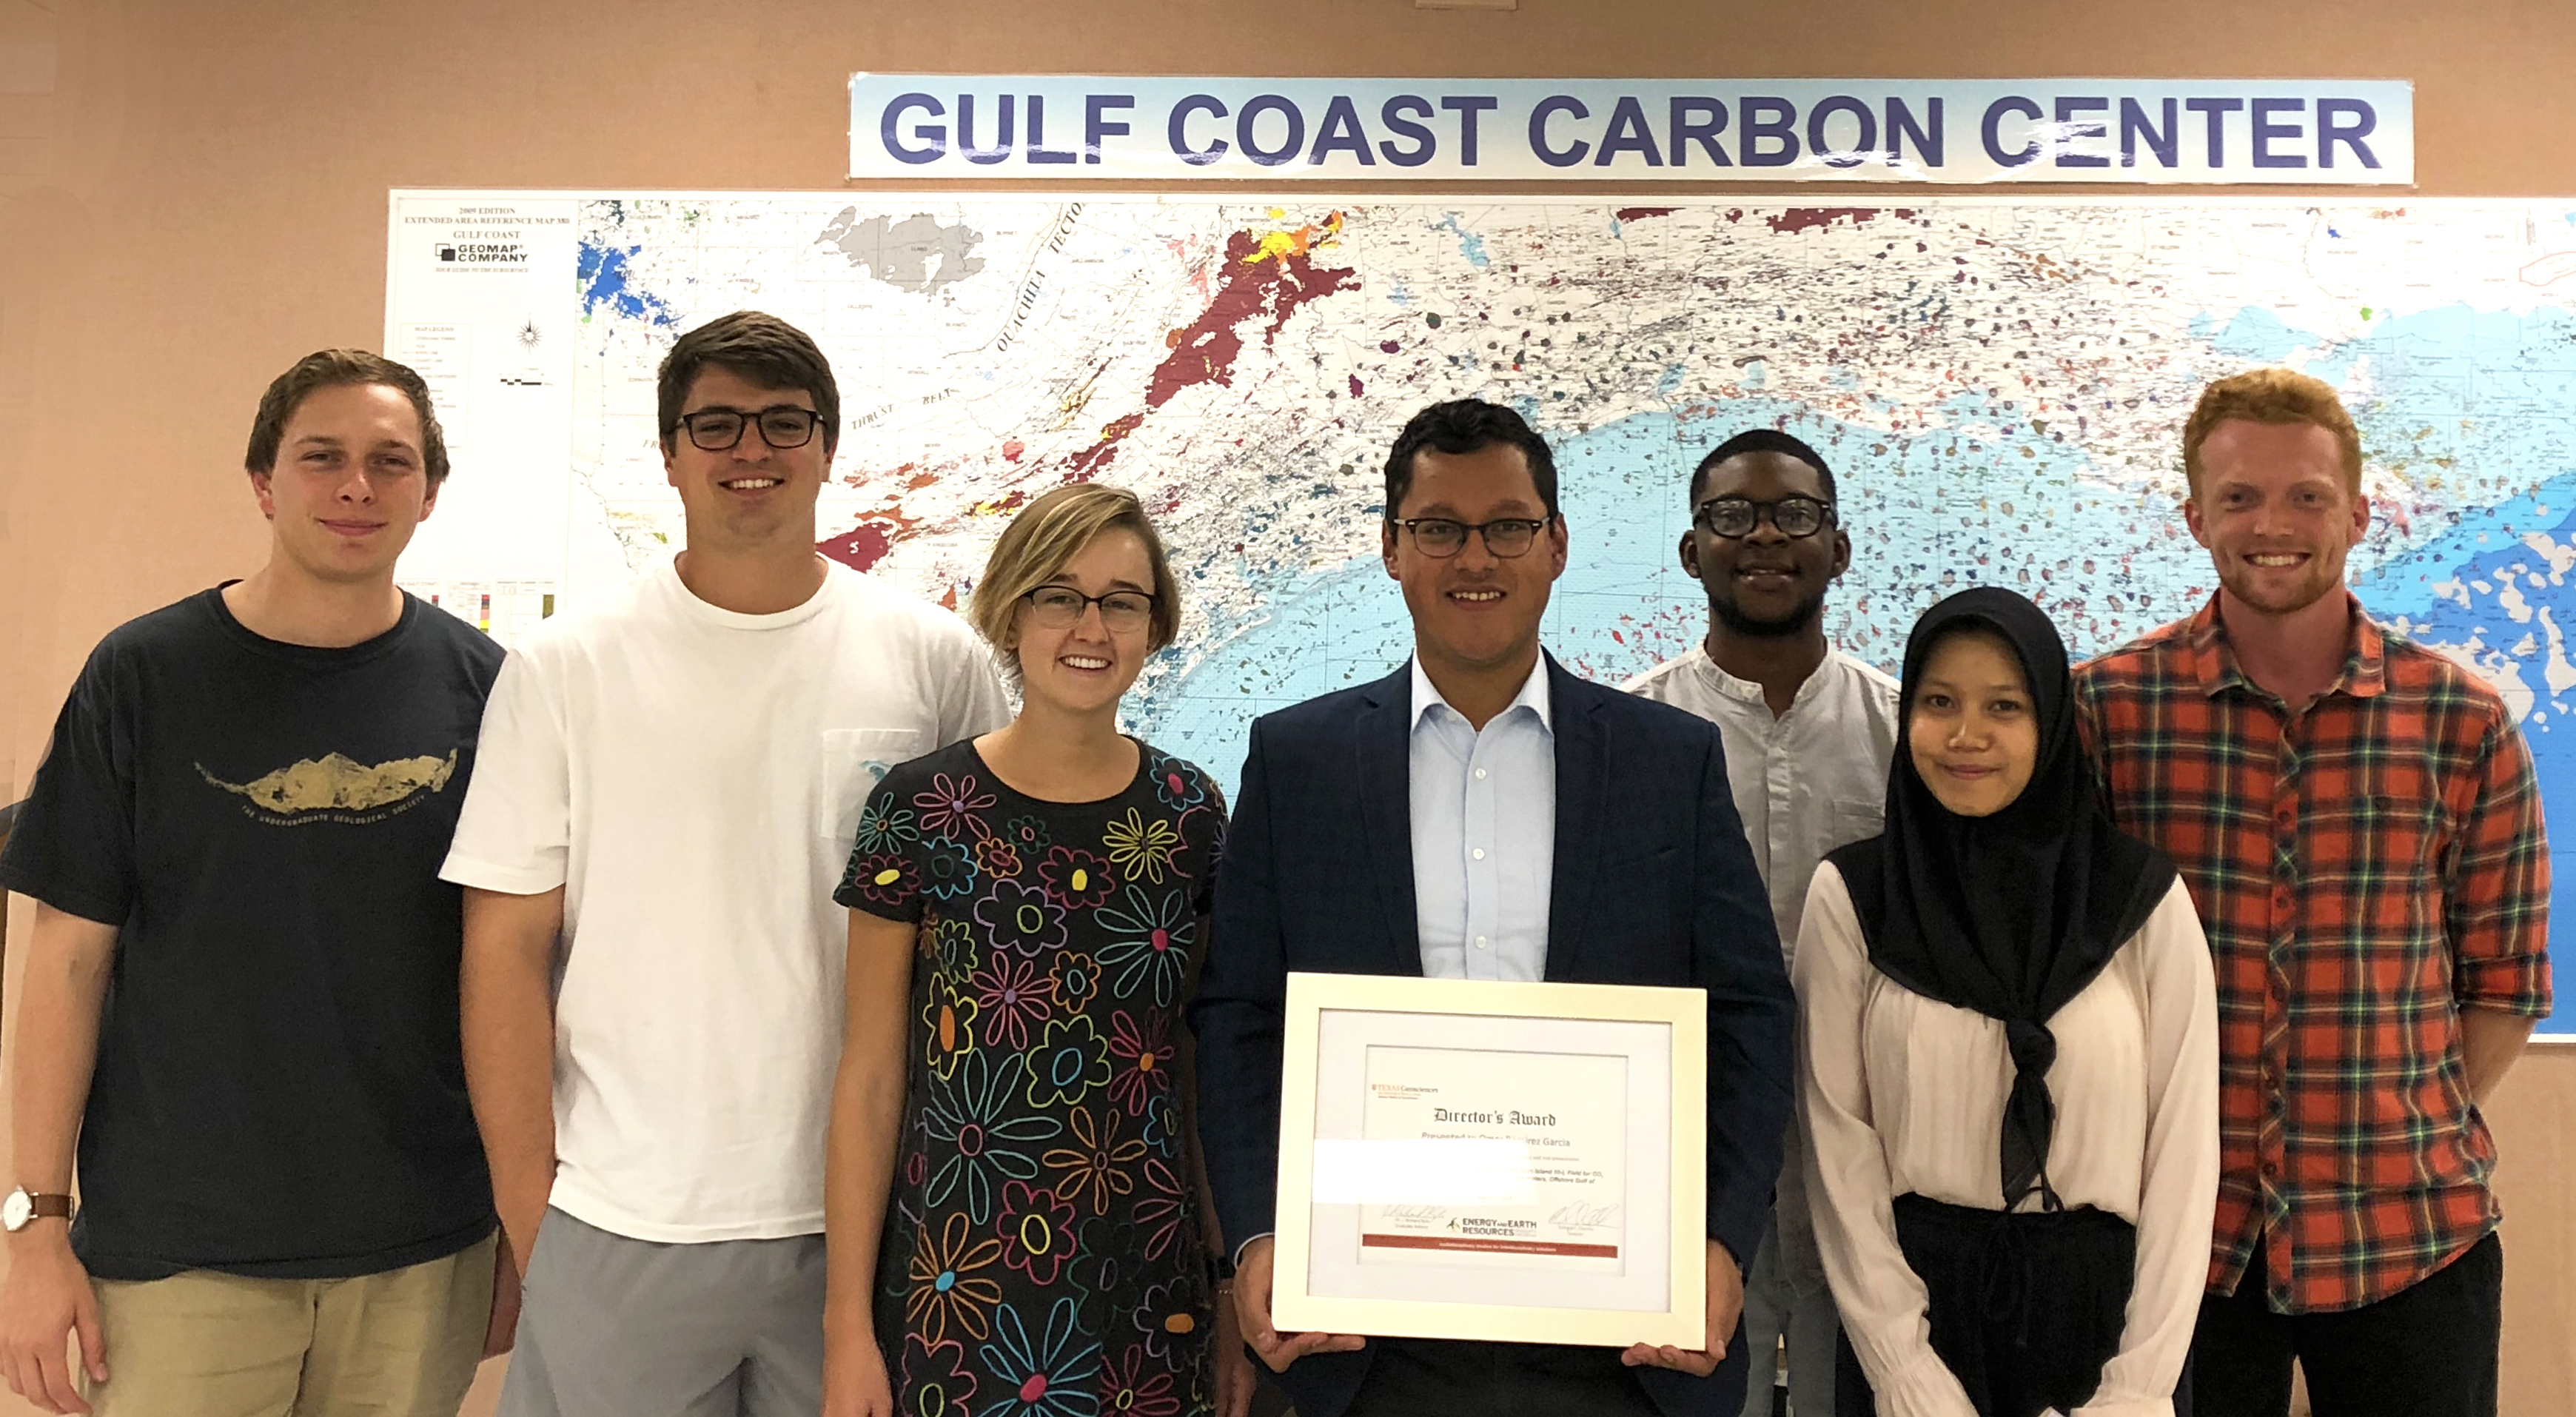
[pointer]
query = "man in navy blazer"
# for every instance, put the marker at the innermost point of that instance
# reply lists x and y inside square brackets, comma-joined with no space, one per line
[1483,814]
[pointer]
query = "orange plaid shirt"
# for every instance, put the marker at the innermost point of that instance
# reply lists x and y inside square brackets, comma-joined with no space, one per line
[2363,869]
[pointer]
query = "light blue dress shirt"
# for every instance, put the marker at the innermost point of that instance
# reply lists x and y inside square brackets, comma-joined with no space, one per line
[1484,833]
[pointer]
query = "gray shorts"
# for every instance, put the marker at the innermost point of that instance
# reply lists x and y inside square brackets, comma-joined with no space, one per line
[614,1327]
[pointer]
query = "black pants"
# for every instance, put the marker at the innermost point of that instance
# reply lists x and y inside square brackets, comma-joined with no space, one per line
[2025,1308]
[2426,1351]
[1417,1377]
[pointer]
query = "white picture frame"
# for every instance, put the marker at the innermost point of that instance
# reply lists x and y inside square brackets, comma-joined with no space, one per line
[1514,1162]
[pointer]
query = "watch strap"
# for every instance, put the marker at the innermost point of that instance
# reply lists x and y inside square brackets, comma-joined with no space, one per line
[41,1204]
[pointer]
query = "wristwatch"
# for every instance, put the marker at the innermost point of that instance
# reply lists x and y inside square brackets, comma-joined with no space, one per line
[23,1206]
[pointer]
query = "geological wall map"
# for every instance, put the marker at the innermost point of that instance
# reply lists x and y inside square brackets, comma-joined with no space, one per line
[1999,385]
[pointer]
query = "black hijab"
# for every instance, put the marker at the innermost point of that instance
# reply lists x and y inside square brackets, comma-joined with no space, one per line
[2012,914]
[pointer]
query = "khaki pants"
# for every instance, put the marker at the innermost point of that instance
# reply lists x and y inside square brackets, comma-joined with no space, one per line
[201,1344]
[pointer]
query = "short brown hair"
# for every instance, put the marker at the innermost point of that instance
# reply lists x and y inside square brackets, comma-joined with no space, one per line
[764,349]
[1051,531]
[2272,396]
[333,368]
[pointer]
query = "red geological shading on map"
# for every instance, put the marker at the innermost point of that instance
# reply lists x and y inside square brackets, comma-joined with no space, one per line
[861,547]
[1797,219]
[1265,276]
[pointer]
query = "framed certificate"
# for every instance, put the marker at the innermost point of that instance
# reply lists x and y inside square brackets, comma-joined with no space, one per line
[1471,1159]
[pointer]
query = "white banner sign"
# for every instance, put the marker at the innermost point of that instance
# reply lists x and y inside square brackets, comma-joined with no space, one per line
[1019,128]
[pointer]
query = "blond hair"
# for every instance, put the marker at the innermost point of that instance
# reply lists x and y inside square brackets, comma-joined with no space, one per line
[2272,396]
[1047,534]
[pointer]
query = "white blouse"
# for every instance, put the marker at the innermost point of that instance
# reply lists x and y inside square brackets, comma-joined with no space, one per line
[1902,1093]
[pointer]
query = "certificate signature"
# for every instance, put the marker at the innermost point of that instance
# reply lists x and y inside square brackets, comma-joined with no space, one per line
[1582,1214]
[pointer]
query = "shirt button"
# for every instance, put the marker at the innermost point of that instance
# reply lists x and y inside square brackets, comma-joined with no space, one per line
[1479,853]
[1480,942]
[1480,772]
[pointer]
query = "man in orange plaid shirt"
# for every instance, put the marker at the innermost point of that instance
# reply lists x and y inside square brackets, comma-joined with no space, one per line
[2359,825]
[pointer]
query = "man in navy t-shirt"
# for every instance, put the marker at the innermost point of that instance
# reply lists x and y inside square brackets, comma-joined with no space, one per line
[241,988]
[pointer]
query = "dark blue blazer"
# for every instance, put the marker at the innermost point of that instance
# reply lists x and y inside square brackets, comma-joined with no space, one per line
[1653,884]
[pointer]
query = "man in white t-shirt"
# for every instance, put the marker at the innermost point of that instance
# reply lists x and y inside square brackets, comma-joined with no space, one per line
[1808,732]
[667,787]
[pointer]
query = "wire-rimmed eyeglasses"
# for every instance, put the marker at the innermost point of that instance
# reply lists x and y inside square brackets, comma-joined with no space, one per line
[1443,537]
[1060,607]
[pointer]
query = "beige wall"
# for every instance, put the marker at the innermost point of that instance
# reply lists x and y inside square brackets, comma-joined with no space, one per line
[192,193]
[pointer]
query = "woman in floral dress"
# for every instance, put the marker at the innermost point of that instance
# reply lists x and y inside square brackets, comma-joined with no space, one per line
[1027,917]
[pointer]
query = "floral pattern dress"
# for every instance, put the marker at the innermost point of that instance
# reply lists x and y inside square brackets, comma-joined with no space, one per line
[1043,1255]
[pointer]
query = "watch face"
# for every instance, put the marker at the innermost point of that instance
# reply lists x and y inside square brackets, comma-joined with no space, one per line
[17,1210]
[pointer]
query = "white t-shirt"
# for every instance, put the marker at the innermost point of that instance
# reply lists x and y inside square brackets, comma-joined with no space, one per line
[693,778]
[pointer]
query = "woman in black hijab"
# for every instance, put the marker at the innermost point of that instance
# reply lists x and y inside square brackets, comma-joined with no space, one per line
[2009,1059]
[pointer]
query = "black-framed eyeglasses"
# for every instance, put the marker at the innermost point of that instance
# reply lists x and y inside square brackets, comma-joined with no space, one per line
[1443,537]
[1732,517]
[782,426]
[1060,607]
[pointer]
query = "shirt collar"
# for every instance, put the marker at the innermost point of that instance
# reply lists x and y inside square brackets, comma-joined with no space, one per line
[1533,695]
[1749,692]
[2365,658]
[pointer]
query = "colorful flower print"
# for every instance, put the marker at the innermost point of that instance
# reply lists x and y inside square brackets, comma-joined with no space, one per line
[1096,1166]
[1176,784]
[885,878]
[1027,833]
[1163,1125]
[997,856]
[953,947]
[937,1376]
[1140,847]
[1015,997]
[1076,878]
[1111,1259]
[947,869]
[948,1024]
[1129,1388]
[1049,1119]
[1069,1062]
[976,1119]
[1163,1211]
[1022,918]
[954,806]
[1077,979]
[1142,1056]
[885,827]
[1150,943]
[1037,1232]
[1171,1318]
[945,1287]
[1046,1376]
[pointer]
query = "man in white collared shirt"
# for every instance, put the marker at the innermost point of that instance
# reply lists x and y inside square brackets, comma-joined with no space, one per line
[1484,832]
[1808,733]
[1482,814]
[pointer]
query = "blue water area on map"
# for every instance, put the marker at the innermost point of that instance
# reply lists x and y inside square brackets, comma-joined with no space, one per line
[603,277]
[2517,603]
[1929,514]
[1470,245]
[1988,495]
